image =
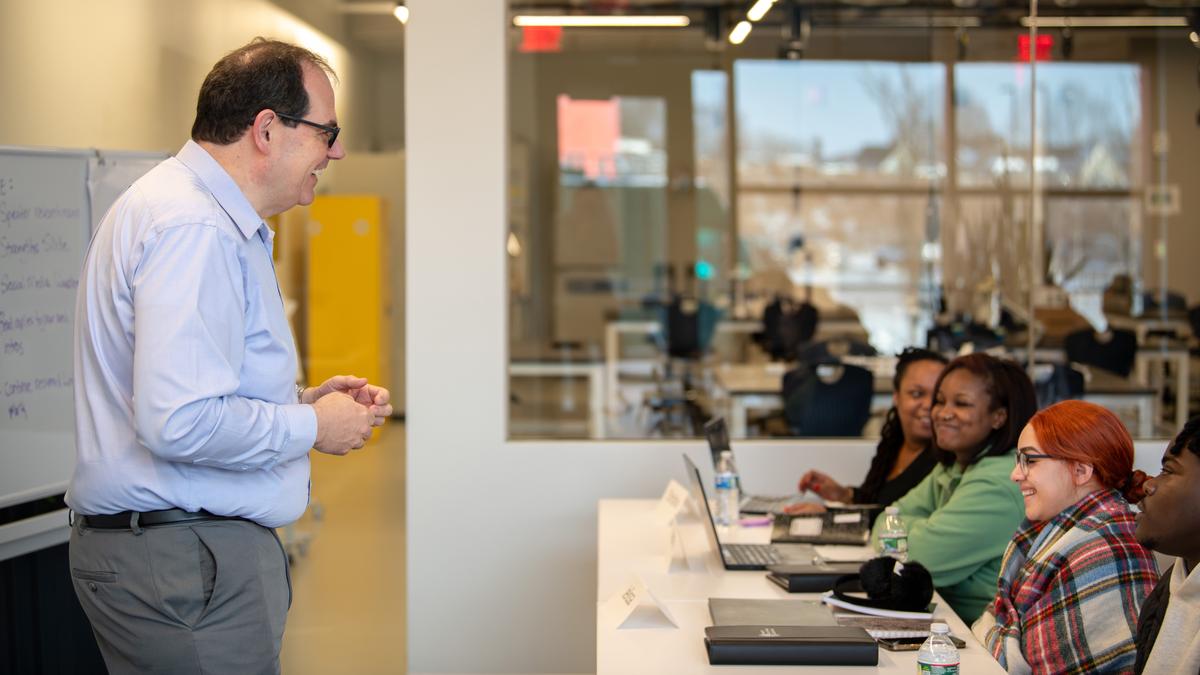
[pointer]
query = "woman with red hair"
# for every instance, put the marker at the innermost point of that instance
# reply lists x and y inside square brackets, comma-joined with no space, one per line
[1074,577]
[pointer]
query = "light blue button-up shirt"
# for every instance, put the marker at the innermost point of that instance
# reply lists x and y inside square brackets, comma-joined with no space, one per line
[184,362]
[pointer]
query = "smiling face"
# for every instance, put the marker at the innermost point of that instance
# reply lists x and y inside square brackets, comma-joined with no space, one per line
[1050,485]
[962,414]
[1170,513]
[914,399]
[305,150]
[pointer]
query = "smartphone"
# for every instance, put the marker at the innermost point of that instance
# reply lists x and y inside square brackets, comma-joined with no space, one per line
[912,644]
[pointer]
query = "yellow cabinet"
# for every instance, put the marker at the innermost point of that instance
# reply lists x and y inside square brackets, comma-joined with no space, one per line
[347,331]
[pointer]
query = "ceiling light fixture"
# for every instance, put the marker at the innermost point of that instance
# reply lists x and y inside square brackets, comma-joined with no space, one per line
[738,35]
[759,9]
[603,21]
[396,9]
[1105,22]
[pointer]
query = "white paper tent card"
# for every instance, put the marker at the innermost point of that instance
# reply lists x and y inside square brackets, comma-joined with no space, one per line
[634,607]
[673,500]
[678,558]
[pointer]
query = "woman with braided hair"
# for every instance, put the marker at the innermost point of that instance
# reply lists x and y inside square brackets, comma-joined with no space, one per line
[905,453]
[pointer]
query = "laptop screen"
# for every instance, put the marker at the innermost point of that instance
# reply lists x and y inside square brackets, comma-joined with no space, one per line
[702,503]
[718,438]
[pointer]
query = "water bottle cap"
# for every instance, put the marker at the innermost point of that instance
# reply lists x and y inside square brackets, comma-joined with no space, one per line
[939,628]
[892,510]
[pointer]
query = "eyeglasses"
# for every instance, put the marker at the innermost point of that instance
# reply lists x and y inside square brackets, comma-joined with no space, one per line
[332,131]
[1024,457]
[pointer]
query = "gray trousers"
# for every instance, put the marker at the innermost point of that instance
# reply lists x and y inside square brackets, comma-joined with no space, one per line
[195,597]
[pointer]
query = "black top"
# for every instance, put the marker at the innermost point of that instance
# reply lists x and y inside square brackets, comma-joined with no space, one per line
[1150,619]
[814,407]
[1115,354]
[899,486]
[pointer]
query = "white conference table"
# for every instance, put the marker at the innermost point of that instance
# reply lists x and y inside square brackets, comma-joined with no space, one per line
[633,543]
[1152,354]
[743,387]
[613,331]
[593,371]
[1143,325]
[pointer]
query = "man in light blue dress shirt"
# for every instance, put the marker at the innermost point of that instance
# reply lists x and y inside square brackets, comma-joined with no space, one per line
[192,438]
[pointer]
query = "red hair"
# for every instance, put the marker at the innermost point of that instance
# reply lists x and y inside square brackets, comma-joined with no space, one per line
[1090,434]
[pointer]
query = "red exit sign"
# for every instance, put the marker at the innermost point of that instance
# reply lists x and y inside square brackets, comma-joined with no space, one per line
[541,39]
[1044,51]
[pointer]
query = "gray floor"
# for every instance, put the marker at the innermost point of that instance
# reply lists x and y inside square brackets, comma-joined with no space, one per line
[348,602]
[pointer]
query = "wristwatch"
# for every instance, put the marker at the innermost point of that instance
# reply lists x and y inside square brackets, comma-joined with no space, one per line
[300,392]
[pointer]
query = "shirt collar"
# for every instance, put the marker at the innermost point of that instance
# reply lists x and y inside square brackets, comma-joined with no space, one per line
[221,185]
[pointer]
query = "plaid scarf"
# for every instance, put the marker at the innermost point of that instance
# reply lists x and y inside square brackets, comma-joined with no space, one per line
[1070,590]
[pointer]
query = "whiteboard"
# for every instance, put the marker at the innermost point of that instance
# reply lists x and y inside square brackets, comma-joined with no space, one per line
[47,200]
[110,173]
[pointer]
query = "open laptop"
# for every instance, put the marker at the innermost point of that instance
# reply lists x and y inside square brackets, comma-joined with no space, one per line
[847,524]
[743,556]
[718,441]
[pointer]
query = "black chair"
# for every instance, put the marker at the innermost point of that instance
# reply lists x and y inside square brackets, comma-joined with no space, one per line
[681,330]
[951,337]
[689,325]
[786,326]
[833,403]
[1057,382]
[832,350]
[1153,303]
[1194,320]
[1114,350]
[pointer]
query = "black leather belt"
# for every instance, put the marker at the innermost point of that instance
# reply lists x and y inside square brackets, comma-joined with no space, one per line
[125,519]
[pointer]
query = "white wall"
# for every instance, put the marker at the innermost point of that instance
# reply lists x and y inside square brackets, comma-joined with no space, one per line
[502,535]
[125,74]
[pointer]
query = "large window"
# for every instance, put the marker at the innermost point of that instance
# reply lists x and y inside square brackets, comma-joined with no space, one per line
[896,180]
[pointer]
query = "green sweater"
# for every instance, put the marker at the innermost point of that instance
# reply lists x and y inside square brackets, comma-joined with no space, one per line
[959,524]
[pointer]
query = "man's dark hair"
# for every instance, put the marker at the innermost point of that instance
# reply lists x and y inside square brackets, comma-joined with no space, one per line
[263,74]
[1188,437]
[1008,387]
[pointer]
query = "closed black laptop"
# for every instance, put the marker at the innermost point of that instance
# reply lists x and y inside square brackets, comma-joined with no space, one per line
[790,646]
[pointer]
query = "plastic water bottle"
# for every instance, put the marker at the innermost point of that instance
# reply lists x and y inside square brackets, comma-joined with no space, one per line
[727,490]
[893,537]
[938,655]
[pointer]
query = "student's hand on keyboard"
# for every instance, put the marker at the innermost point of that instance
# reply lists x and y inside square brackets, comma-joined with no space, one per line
[804,508]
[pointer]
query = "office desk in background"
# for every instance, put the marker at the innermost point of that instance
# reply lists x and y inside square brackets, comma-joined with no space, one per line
[632,542]
[1148,323]
[758,386]
[745,327]
[1152,354]
[593,371]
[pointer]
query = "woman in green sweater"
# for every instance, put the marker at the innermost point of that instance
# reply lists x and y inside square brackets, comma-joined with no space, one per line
[962,516]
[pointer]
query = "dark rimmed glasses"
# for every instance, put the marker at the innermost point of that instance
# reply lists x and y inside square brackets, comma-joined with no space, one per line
[1023,460]
[332,131]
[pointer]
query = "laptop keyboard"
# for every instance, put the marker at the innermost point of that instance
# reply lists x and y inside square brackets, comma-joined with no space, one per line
[765,504]
[752,554]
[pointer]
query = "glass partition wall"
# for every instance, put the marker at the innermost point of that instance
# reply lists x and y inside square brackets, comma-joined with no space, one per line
[698,228]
